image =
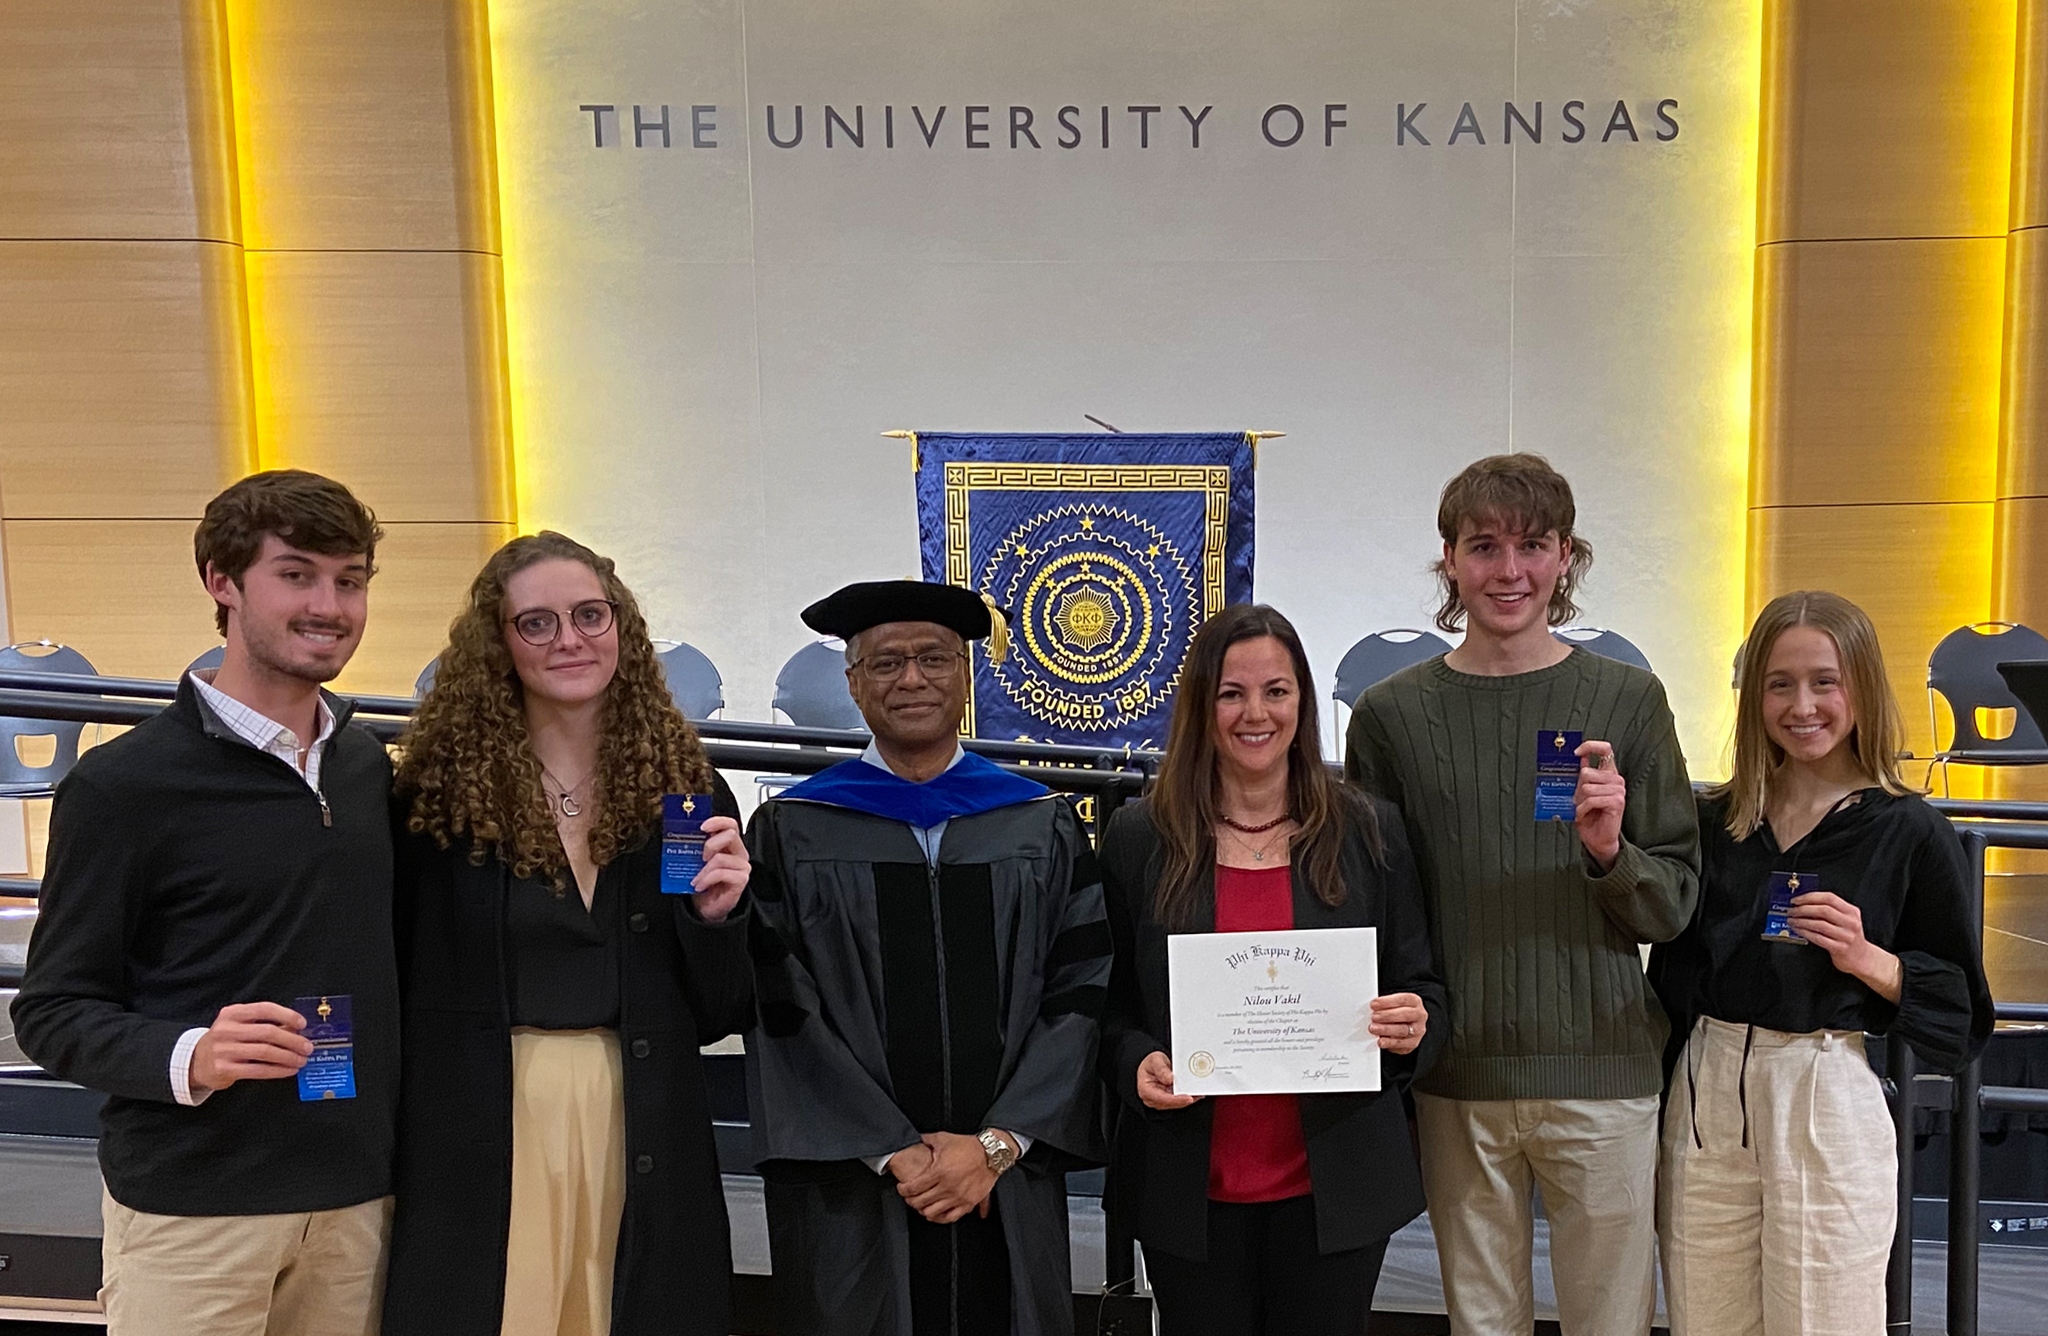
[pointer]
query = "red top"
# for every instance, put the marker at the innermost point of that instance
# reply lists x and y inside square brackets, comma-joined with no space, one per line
[1256,1150]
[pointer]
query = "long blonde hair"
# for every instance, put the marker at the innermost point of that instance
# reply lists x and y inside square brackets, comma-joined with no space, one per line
[468,762]
[1879,731]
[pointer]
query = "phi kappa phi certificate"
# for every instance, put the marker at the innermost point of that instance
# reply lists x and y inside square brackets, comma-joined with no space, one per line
[1273,1013]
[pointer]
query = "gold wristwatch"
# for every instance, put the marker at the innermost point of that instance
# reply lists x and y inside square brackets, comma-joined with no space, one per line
[1001,1154]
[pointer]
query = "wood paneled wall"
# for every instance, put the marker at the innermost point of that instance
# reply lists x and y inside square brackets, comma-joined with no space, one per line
[124,364]
[2021,590]
[242,234]
[2020,554]
[1881,284]
[369,216]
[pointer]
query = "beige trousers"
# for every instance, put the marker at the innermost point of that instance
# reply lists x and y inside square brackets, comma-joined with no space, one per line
[568,1182]
[1788,1234]
[1595,1161]
[314,1274]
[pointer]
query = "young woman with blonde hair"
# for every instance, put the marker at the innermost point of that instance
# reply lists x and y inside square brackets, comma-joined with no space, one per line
[1833,901]
[555,1170]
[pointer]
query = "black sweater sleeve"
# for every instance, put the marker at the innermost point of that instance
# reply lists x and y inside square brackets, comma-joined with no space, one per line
[1945,1009]
[73,1014]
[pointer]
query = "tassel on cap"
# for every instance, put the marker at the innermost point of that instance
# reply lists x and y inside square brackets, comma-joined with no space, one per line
[998,632]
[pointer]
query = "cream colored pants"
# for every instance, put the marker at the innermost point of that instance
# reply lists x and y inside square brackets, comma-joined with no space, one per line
[314,1274]
[1596,1163]
[1776,1218]
[568,1182]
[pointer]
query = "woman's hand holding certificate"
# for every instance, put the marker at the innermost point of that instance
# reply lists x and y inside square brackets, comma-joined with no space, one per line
[1400,1021]
[1155,1084]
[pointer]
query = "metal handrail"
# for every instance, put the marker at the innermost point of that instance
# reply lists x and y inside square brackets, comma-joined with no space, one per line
[1969,1097]
[19,691]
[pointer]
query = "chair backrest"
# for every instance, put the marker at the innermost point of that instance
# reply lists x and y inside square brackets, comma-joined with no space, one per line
[424,683]
[213,658]
[1381,655]
[1963,670]
[693,680]
[1607,644]
[811,689]
[40,656]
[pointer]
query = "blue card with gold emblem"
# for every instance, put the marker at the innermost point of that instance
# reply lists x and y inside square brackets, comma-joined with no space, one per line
[1557,773]
[1778,912]
[331,1072]
[682,840]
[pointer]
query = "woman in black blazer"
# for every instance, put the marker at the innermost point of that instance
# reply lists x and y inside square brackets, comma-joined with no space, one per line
[1260,1213]
[555,1173]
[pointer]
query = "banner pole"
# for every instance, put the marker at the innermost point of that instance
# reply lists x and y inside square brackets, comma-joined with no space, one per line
[1252,438]
[911,436]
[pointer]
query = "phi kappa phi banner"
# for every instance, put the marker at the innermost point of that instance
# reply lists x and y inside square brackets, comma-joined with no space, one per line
[1108,552]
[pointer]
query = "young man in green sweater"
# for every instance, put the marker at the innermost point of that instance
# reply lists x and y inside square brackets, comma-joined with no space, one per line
[1541,890]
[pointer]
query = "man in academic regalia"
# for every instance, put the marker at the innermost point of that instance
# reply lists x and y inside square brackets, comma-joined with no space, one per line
[931,958]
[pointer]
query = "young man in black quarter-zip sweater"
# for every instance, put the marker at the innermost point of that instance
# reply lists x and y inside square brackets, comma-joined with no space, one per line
[217,899]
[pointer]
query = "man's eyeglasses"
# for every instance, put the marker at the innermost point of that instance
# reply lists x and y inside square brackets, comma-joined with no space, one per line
[889,667]
[540,626]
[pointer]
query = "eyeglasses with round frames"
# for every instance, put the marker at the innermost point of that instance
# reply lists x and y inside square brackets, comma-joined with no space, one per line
[539,626]
[932,666]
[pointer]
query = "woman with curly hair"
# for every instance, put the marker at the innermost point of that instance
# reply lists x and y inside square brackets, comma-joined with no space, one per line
[555,1169]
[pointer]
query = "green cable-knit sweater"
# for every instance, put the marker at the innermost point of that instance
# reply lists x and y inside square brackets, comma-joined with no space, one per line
[1539,950]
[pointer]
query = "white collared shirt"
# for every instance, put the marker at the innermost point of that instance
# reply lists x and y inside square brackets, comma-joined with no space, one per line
[273,739]
[265,734]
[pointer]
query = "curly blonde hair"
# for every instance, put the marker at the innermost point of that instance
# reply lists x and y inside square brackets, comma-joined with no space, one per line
[468,761]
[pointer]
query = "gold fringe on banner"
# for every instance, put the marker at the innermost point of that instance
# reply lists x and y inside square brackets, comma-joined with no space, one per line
[910,436]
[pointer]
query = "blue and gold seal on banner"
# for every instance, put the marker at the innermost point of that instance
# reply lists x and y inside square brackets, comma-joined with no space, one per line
[1102,604]
[1107,553]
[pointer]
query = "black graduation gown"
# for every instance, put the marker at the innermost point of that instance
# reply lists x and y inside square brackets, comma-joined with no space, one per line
[897,998]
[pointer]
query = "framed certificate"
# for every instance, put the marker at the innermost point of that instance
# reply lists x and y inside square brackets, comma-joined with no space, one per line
[1269,1013]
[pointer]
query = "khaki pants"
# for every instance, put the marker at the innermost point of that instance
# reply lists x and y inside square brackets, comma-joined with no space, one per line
[1596,1163]
[568,1182]
[314,1274]
[1789,1233]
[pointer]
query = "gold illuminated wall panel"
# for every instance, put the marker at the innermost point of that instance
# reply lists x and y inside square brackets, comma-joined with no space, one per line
[2021,592]
[123,354]
[239,235]
[369,215]
[2020,554]
[1885,170]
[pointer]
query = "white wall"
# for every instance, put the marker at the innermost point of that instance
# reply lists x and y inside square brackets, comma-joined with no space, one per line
[706,341]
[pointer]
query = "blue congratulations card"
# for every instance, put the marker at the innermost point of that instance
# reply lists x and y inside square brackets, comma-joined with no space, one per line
[1557,773]
[682,840]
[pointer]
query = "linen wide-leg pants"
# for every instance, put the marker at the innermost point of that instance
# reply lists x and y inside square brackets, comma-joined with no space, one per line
[1778,1185]
[568,1182]
[1595,1161]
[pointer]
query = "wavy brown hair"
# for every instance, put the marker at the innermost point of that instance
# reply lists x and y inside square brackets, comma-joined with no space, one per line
[468,761]
[304,510]
[1520,493]
[1183,800]
[1879,731]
